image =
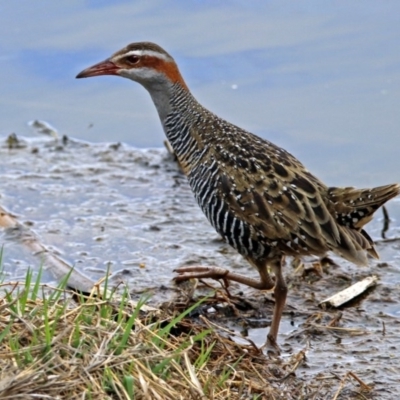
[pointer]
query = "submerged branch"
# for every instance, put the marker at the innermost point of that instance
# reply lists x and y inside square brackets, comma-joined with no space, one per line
[59,268]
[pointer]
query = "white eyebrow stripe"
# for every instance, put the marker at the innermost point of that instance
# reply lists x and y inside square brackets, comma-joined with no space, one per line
[150,53]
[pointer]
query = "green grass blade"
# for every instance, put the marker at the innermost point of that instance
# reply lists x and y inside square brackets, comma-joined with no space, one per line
[6,331]
[35,290]
[129,324]
[129,384]
[163,332]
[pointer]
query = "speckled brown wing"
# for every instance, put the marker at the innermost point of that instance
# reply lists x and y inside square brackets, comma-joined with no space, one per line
[270,190]
[274,193]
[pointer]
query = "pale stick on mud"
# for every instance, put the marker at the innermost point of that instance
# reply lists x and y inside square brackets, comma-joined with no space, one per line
[351,292]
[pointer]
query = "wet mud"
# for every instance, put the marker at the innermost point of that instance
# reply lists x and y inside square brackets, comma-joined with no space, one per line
[103,206]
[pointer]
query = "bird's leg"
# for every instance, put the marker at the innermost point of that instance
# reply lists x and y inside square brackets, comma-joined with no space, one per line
[265,283]
[280,293]
[201,272]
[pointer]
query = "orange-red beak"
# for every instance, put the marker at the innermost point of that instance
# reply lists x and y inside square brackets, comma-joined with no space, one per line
[102,68]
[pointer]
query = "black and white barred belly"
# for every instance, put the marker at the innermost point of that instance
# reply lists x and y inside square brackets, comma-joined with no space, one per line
[241,236]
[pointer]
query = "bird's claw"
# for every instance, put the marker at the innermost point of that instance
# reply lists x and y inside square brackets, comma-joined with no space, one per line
[199,272]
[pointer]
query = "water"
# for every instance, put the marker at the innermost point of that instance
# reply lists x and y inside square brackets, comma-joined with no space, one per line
[322,80]
[103,205]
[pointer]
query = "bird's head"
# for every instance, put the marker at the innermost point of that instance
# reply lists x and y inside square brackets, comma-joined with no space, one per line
[143,62]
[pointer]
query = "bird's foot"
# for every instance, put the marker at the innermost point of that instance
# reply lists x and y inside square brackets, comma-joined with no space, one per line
[199,272]
[271,346]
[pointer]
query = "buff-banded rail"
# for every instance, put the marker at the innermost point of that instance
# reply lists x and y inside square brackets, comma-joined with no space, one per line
[256,195]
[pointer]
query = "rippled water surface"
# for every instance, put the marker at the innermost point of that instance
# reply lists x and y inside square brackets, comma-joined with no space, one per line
[320,79]
[113,205]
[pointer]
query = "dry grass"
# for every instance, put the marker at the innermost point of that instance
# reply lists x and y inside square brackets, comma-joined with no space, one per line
[55,344]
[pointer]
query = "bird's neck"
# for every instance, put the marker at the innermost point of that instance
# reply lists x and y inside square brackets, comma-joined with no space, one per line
[163,87]
[185,117]
[182,118]
[161,94]
[176,107]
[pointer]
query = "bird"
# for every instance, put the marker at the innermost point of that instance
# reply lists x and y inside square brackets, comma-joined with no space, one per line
[258,197]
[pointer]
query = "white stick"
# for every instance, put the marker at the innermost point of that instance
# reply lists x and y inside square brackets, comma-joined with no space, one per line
[351,292]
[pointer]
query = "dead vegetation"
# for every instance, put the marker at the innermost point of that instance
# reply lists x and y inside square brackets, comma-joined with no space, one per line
[56,344]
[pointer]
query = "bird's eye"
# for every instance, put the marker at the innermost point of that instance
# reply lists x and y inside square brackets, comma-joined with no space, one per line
[132,59]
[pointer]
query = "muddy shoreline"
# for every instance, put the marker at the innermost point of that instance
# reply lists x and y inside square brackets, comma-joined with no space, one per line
[111,206]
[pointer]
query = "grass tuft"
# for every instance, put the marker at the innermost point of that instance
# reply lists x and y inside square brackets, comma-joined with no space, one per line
[55,343]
